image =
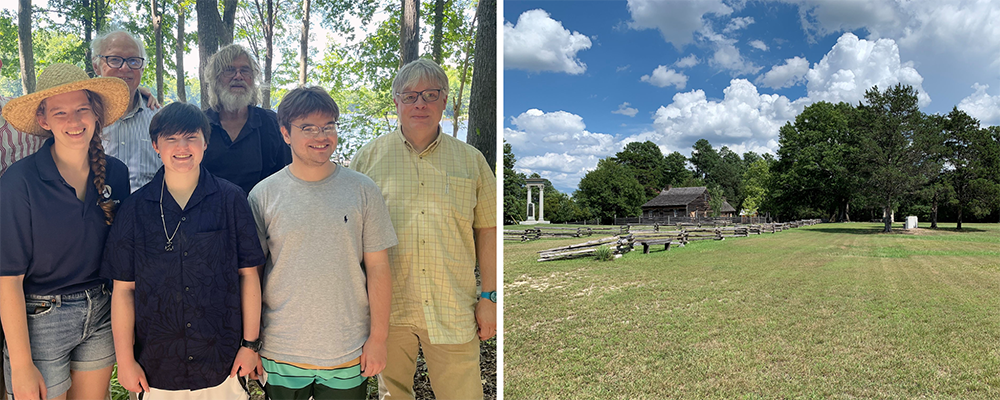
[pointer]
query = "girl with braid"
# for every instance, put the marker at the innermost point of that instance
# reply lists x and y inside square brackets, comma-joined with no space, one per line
[56,208]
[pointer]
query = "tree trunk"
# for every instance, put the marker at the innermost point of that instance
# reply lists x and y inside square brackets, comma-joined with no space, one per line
[158,39]
[304,44]
[181,78]
[24,46]
[438,31]
[482,132]
[268,53]
[409,32]
[457,102]
[214,31]
[959,227]
[88,30]
[934,211]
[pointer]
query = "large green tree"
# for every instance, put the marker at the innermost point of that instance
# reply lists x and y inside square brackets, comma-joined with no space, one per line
[646,163]
[892,146]
[973,158]
[514,193]
[675,172]
[610,191]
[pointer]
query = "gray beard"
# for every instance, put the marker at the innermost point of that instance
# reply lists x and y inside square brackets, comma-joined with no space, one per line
[233,102]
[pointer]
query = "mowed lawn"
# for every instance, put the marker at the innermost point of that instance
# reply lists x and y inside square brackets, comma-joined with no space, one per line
[828,311]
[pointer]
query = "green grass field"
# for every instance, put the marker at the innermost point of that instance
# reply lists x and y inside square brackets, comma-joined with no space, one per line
[829,311]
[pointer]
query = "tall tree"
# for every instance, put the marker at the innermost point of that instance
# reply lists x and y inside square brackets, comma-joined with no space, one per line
[514,193]
[755,183]
[214,31]
[610,191]
[675,171]
[437,39]
[181,10]
[974,158]
[157,21]
[705,159]
[463,75]
[24,44]
[646,163]
[482,133]
[892,145]
[304,44]
[409,32]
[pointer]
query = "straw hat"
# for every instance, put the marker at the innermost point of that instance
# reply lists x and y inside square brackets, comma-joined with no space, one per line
[64,78]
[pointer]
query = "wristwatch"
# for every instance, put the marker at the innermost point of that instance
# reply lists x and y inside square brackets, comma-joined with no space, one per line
[491,296]
[254,345]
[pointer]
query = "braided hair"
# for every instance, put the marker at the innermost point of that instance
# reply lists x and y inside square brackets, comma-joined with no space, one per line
[98,163]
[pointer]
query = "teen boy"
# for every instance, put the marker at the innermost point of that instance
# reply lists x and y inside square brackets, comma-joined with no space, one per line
[325,315]
[183,254]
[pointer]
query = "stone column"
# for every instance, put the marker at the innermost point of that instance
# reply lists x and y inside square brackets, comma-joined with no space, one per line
[528,206]
[541,203]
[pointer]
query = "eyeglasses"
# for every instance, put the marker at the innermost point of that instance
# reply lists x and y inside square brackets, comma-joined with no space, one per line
[313,131]
[429,95]
[132,62]
[230,72]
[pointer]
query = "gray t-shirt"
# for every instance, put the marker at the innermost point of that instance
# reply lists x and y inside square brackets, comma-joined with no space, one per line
[315,299]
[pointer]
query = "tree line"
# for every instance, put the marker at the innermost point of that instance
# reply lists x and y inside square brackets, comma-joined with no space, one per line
[380,36]
[839,162]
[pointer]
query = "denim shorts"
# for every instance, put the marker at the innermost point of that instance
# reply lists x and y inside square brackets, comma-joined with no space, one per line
[67,332]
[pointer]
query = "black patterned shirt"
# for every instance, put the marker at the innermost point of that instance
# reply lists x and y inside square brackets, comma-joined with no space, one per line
[188,319]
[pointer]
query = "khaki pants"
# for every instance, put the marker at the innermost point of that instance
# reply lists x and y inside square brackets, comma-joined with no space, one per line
[453,368]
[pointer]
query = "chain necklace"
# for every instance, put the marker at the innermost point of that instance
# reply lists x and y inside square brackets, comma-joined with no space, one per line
[170,238]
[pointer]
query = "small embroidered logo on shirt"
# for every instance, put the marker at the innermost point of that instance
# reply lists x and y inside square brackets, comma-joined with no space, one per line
[106,192]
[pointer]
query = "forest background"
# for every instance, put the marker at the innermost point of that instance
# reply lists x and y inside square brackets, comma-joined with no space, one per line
[350,47]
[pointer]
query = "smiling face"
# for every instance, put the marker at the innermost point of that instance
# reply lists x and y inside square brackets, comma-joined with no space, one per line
[71,118]
[181,152]
[311,152]
[119,44]
[420,117]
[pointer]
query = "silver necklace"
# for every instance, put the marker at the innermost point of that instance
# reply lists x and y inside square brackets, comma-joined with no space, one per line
[170,238]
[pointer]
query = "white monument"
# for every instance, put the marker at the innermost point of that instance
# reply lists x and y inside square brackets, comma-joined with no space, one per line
[911,222]
[532,218]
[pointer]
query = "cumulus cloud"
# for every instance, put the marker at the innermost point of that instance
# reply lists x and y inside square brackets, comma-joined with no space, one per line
[557,145]
[738,23]
[540,43]
[785,75]
[743,119]
[759,45]
[855,65]
[687,62]
[664,77]
[624,109]
[980,105]
[726,55]
[677,21]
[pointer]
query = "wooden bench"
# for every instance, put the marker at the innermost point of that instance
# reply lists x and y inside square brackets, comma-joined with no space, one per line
[654,242]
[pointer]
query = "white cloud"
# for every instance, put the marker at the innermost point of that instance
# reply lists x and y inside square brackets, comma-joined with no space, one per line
[726,55]
[687,62]
[759,45]
[623,68]
[557,145]
[785,75]
[854,65]
[540,43]
[743,119]
[664,77]
[624,109]
[980,105]
[738,23]
[677,21]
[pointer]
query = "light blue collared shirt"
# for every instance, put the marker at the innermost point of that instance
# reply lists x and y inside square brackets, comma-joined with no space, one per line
[128,140]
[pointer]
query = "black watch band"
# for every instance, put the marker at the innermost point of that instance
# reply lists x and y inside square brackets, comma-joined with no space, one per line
[254,345]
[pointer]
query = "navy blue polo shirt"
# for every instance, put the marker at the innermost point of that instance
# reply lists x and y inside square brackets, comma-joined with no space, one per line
[258,151]
[46,233]
[188,319]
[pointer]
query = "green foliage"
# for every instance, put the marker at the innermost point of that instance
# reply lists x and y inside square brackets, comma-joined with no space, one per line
[973,155]
[716,198]
[646,163]
[514,193]
[675,171]
[611,191]
[604,253]
[756,180]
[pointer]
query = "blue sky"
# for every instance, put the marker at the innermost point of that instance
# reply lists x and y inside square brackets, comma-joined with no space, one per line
[584,78]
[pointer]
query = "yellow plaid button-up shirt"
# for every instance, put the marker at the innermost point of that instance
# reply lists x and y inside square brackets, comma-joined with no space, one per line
[435,200]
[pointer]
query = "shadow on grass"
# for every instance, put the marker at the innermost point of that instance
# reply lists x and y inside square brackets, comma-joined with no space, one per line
[878,230]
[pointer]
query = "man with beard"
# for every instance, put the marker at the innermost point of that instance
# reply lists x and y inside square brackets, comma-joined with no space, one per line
[246,141]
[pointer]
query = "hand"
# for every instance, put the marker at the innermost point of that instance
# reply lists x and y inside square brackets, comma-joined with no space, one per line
[486,318]
[150,99]
[373,355]
[27,383]
[131,376]
[247,363]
